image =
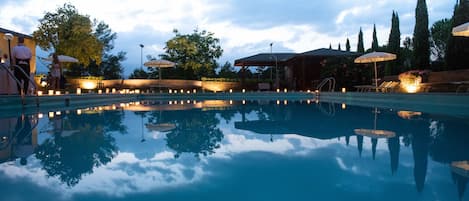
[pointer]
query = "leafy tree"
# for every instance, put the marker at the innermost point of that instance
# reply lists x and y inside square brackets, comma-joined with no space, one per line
[360,46]
[347,45]
[406,54]
[195,53]
[421,41]
[65,31]
[392,67]
[227,71]
[374,43]
[139,74]
[456,55]
[440,32]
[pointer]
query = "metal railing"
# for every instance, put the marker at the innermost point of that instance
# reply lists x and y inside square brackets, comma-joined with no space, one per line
[32,82]
[331,84]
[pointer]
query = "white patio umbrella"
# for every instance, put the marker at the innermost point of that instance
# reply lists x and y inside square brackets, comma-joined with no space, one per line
[375,57]
[159,64]
[461,30]
[63,59]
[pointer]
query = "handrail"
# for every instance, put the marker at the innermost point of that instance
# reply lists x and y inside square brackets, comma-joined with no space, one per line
[330,81]
[29,78]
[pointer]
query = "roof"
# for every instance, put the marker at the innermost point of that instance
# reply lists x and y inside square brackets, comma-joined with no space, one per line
[264,59]
[2,30]
[268,59]
[326,52]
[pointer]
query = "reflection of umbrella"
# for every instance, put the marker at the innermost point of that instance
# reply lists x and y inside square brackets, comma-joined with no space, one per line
[373,58]
[161,127]
[374,133]
[159,64]
[63,58]
[461,168]
[461,30]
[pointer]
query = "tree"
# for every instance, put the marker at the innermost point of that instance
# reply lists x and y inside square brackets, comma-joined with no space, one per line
[339,47]
[421,41]
[195,53]
[110,67]
[227,71]
[360,46]
[70,33]
[456,55]
[406,54]
[139,74]
[374,43]
[440,33]
[394,46]
[347,45]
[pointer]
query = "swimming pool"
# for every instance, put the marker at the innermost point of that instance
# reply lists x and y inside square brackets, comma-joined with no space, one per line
[234,150]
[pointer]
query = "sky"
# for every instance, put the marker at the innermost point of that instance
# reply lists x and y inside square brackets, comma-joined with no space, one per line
[244,27]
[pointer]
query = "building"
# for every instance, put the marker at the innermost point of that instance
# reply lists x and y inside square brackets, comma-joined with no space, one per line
[28,41]
[297,71]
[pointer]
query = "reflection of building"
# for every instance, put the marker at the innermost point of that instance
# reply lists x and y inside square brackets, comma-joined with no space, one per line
[18,138]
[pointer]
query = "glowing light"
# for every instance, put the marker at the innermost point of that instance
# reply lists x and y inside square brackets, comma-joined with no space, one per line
[344,106]
[43,83]
[88,85]
[39,93]
[411,88]
[113,90]
[58,113]
[194,91]
[244,102]
[51,114]
[79,112]
[231,102]
[182,91]
[57,92]
[285,90]
[40,115]
[50,92]
[107,90]
[278,102]
[278,90]
[285,102]
[170,102]
[308,102]
[137,91]
[78,91]
[309,91]
[100,91]
[344,90]
[231,90]
[170,91]
[244,90]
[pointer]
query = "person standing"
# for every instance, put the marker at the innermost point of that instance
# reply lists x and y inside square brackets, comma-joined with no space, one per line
[21,56]
[56,72]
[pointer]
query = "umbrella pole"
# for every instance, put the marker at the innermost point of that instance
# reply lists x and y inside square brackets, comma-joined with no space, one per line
[376,78]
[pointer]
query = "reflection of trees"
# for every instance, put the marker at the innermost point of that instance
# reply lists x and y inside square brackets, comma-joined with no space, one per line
[196,132]
[88,144]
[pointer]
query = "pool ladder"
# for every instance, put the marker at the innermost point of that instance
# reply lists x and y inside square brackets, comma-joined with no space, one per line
[331,84]
[33,84]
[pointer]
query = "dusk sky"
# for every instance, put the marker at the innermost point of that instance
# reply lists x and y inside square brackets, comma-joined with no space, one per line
[244,27]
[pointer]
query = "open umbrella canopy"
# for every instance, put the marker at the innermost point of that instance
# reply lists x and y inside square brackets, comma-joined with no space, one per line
[161,127]
[461,30]
[375,57]
[159,64]
[63,58]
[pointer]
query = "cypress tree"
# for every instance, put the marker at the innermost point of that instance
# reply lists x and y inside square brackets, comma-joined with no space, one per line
[421,43]
[394,46]
[347,45]
[457,50]
[374,43]
[360,47]
[330,46]
[339,47]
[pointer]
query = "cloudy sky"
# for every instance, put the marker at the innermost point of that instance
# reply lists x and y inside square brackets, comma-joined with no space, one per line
[244,27]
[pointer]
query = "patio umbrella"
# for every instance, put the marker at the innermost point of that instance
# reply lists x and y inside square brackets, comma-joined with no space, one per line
[375,133]
[375,57]
[461,168]
[461,30]
[159,64]
[63,59]
[161,127]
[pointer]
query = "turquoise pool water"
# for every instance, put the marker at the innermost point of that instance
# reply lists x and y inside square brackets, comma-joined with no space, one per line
[234,150]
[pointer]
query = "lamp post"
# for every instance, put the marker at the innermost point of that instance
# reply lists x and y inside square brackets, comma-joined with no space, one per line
[141,57]
[9,37]
[276,68]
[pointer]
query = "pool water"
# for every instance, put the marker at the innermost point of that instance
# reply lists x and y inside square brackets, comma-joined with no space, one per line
[234,150]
